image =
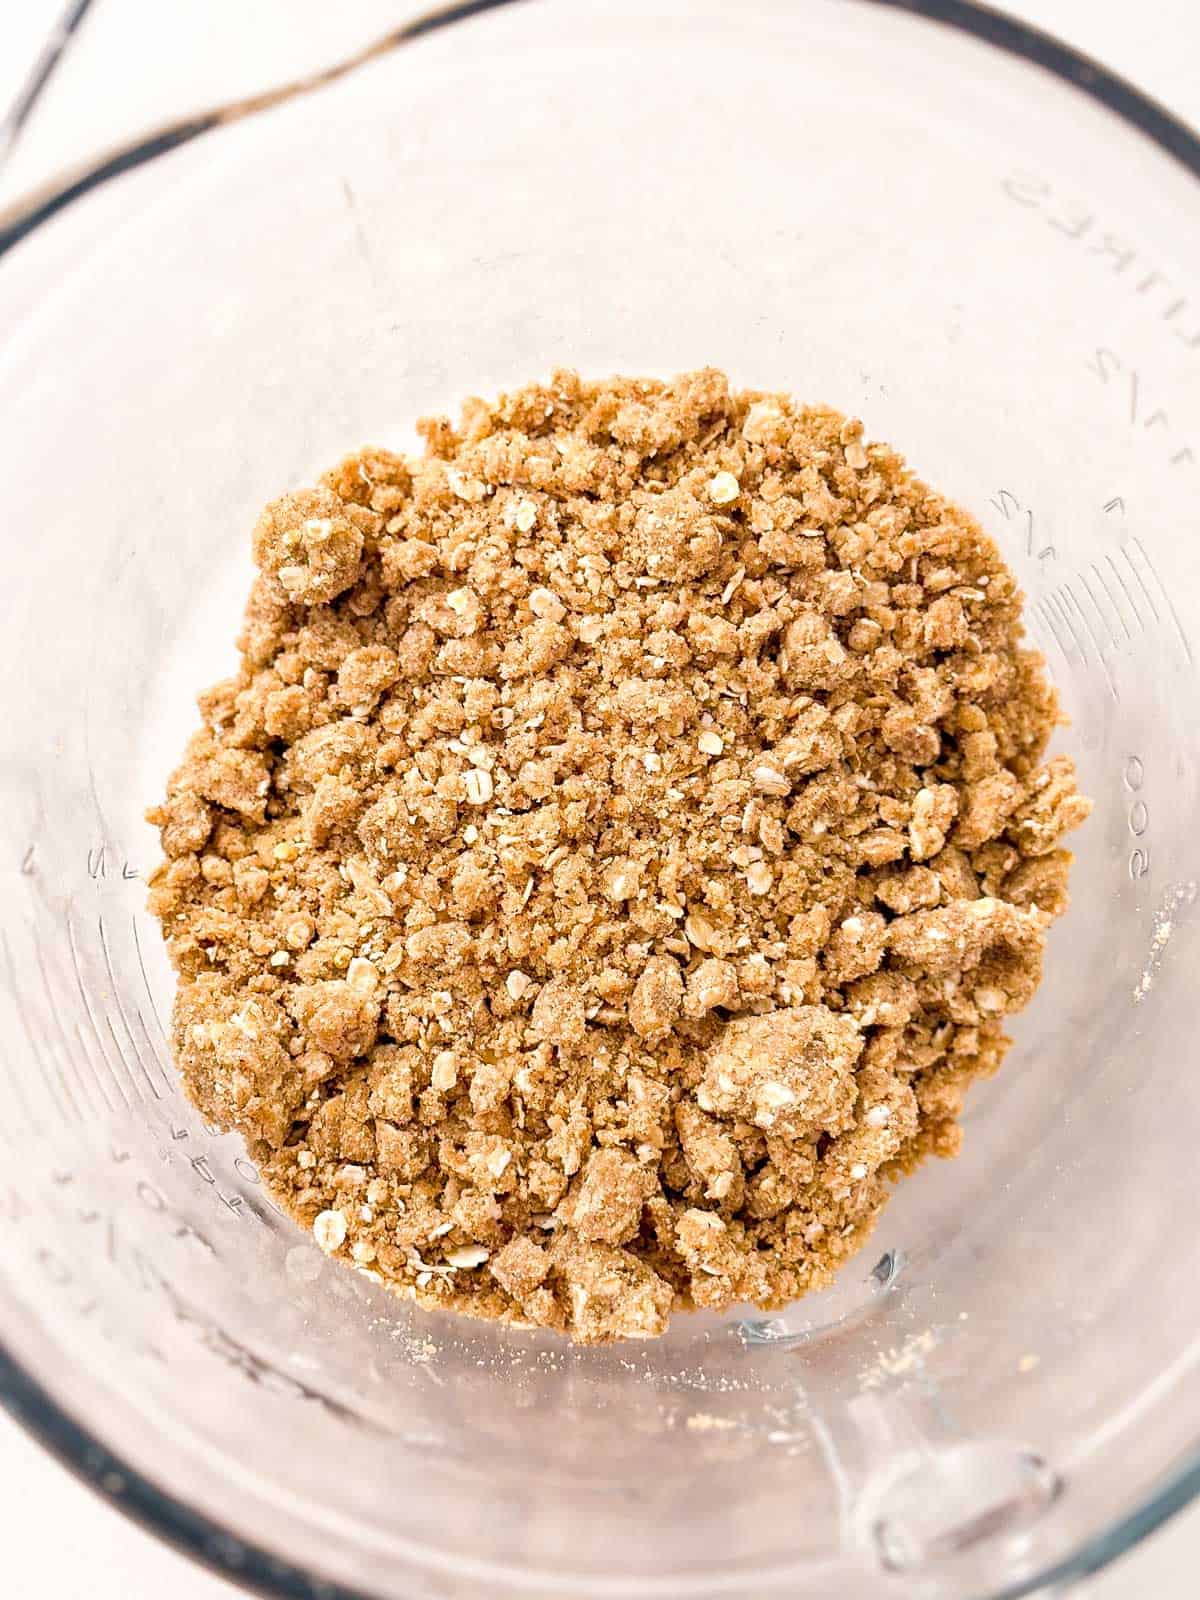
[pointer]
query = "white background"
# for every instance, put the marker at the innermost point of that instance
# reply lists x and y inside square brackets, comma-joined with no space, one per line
[137,63]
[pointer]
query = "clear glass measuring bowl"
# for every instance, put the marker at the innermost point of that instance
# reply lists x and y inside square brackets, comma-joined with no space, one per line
[1000,271]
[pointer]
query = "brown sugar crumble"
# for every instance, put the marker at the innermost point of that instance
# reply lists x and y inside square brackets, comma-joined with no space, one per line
[616,854]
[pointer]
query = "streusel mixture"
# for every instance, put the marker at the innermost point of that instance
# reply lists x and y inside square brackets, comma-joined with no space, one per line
[617,853]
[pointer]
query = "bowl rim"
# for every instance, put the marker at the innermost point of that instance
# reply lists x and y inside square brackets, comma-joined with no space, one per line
[170,1519]
[1021,39]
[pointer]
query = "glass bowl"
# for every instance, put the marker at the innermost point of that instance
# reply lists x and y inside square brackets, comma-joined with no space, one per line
[944,223]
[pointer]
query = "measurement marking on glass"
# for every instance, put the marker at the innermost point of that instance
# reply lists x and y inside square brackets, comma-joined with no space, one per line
[1106,623]
[1007,504]
[137,944]
[1059,605]
[89,1083]
[53,1074]
[163,1064]
[1136,544]
[1047,616]
[1043,635]
[1119,611]
[154,1056]
[1137,818]
[128,1071]
[1069,594]
[101,1052]
[1141,582]
[33,1124]
[116,994]
[1070,652]
[1123,586]
[105,1079]
[121,1057]
[1108,366]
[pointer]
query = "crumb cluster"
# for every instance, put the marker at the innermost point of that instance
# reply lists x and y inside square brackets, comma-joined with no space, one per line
[616,854]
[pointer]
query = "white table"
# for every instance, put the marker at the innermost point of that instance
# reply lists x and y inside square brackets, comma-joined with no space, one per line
[59,1541]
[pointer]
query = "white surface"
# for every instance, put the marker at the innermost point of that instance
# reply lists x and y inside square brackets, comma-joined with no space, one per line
[137,62]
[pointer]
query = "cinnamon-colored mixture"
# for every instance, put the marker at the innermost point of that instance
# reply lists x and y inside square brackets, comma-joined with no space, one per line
[616,854]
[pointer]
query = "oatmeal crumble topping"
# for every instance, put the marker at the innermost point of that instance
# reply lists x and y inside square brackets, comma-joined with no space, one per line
[616,854]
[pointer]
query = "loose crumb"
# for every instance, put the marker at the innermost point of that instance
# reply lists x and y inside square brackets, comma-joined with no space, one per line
[616,853]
